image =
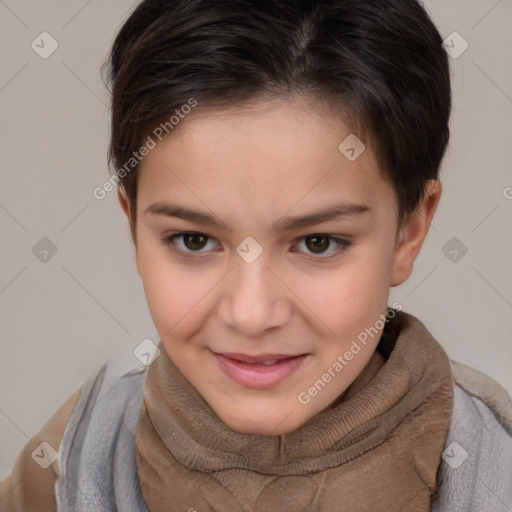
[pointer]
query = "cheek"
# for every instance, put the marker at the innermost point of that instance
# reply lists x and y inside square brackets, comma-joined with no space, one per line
[349,296]
[179,296]
[169,291]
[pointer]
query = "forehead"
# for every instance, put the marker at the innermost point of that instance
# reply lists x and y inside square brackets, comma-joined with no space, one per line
[257,124]
[280,152]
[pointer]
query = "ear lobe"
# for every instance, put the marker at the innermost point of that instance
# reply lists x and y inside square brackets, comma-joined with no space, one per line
[413,233]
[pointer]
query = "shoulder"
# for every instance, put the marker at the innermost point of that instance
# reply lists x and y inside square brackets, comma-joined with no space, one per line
[98,444]
[476,467]
[105,393]
[482,387]
[30,486]
[110,393]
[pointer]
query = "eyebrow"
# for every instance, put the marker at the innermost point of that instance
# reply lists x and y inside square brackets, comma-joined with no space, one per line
[286,223]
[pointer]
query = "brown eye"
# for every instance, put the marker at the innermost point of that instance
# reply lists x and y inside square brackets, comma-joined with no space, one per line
[323,246]
[194,241]
[318,243]
[187,244]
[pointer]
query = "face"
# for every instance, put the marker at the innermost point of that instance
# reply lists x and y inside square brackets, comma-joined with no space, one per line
[264,253]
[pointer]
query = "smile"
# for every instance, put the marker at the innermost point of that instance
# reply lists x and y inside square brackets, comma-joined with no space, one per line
[258,372]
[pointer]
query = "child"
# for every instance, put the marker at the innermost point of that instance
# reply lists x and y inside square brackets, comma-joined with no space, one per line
[244,133]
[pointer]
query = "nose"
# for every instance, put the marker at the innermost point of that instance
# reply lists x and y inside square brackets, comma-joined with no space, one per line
[254,300]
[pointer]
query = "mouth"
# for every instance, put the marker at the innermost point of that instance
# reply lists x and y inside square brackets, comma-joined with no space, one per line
[260,371]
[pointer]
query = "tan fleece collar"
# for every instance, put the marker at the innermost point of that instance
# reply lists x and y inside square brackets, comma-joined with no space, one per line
[412,390]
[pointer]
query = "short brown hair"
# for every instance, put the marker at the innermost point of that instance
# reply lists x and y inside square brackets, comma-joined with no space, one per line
[381,62]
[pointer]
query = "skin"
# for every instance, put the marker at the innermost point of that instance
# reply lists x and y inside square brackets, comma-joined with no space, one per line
[248,167]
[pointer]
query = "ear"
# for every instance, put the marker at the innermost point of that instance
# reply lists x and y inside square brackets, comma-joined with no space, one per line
[123,201]
[413,232]
[125,206]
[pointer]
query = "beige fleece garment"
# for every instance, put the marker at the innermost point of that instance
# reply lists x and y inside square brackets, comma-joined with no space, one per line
[378,450]
[382,446]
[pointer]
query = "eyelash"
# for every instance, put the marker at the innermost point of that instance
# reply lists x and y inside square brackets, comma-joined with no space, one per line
[168,240]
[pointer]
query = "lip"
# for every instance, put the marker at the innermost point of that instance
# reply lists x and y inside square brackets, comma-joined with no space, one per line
[247,371]
[258,358]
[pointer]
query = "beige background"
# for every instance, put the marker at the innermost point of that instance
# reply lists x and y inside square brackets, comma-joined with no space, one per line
[62,318]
